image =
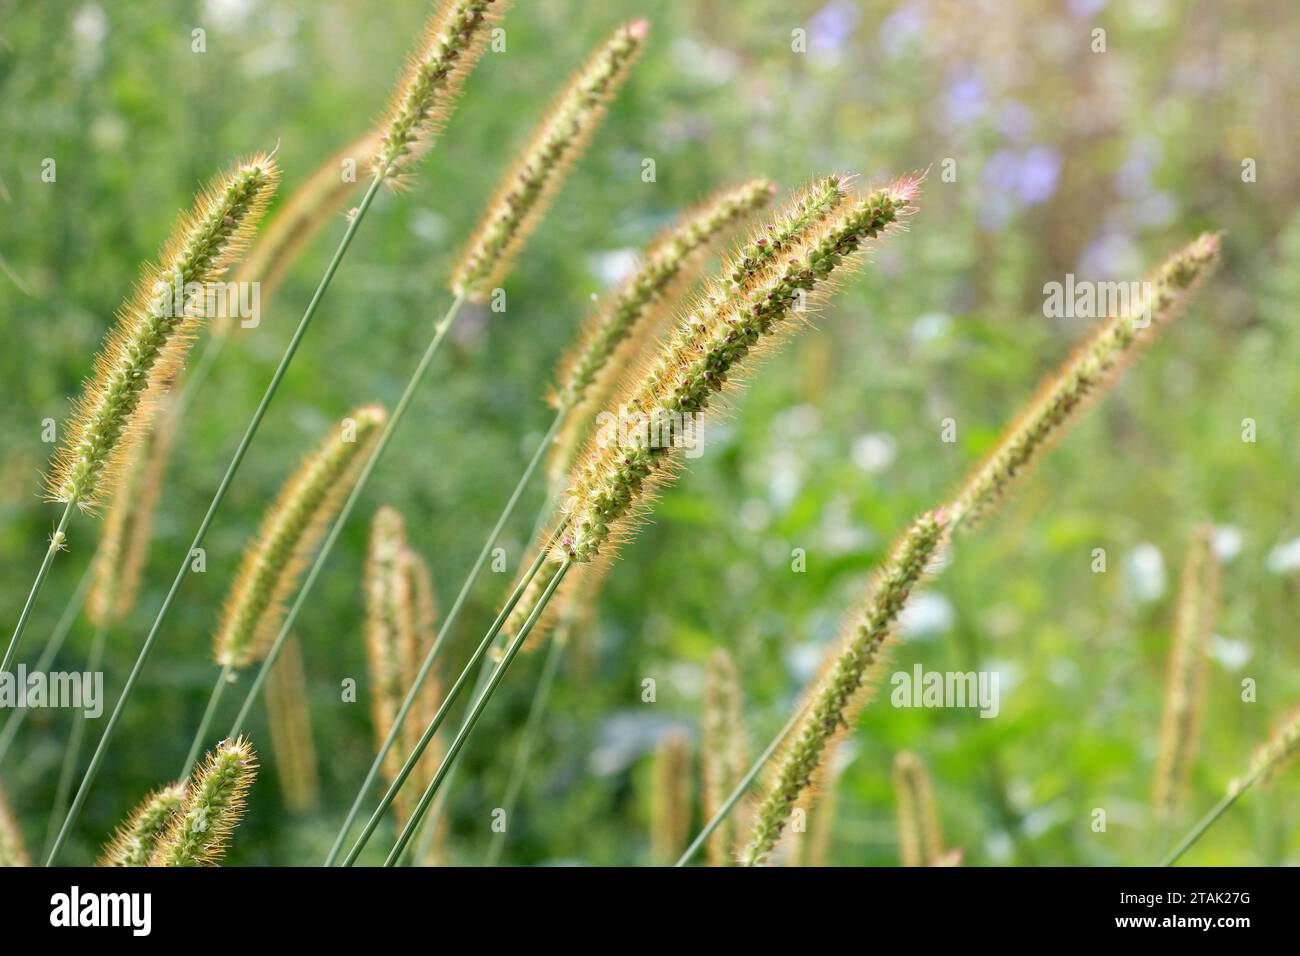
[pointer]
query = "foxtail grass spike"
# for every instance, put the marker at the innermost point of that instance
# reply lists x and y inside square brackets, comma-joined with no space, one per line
[536,174]
[413,647]
[839,693]
[13,849]
[1198,596]
[710,348]
[662,264]
[290,531]
[153,332]
[1087,374]
[1271,756]
[296,222]
[213,806]
[128,527]
[453,41]
[388,619]
[722,752]
[920,839]
[135,840]
[290,725]
[670,798]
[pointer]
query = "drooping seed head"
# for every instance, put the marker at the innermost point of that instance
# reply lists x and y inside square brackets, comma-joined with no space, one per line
[540,168]
[920,838]
[135,841]
[212,808]
[1198,597]
[153,332]
[453,42]
[670,799]
[1092,369]
[388,620]
[662,264]
[836,698]
[291,529]
[128,527]
[13,849]
[722,753]
[289,719]
[711,347]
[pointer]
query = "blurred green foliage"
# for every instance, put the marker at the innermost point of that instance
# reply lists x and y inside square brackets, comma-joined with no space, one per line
[1066,160]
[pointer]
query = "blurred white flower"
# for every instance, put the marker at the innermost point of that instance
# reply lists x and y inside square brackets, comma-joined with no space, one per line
[927,614]
[1285,557]
[1232,653]
[930,326]
[1144,573]
[614,266]
[1227,542]
[874,451]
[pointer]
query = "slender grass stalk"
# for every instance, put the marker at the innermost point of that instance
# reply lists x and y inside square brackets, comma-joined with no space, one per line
[527,741]
[670,797]
[134,842]
[452,44]
[539,168]
[52,647]
[290,532]
[72,749]
[13,850]
[471,719]
[291,735]
[58,542]
[722,750]
[1266,761]
[212,808]
[452,694]
[1185,685]
[920,838]
[836,697]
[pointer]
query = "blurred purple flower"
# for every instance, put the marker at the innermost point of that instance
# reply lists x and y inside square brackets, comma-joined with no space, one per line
[901,29]
[1134,177]
[1015,121]
[1111,255]
[1040,170]
[965,99]
[1086,8]
[832,25]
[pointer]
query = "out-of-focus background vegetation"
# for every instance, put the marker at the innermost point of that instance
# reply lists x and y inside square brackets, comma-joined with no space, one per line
[1066,159]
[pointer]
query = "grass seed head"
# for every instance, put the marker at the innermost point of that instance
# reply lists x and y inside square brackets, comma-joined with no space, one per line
[134,842]
[212,808]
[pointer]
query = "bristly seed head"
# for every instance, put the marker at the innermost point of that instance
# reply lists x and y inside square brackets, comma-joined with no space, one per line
[212,808]
[539,169]
[290,531]
[153,332]
[135,841]
[453,42]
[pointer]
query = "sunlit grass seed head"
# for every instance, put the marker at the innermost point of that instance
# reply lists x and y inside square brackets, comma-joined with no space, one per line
[453,42]
[662,264]
[838,695]
[1270,757]
[289,718]
[212,808]
[710,349]
[153,332]
[1198,597]
[806,210]
[722,753]
[920,837]
[13,849]
[135,841]
[539,169]
[128,526]
[291,529]
[1087,374]
[670,797]
[388,622]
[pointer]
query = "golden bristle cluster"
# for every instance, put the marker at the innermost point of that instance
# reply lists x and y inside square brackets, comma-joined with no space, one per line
[293,526]
[289,720]
[722,754]
[152,335]
[540,167]
[1198,598]
[709,350]
[670,798]
[453,42]
[128,527]
[920,837]
[1272,755]
[1087,374]
[213,806]
[135,841]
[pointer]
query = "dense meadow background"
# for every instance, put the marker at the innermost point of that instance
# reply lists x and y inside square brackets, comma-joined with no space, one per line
[1067,160]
